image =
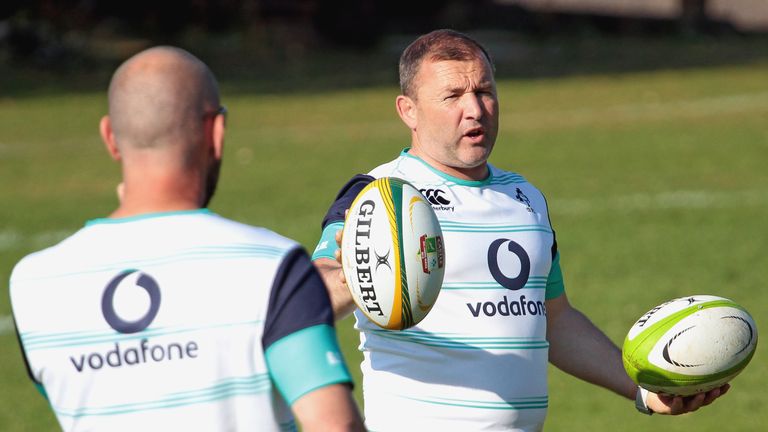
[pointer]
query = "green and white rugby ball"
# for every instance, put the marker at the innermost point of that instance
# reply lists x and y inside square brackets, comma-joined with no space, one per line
[392,253]
[689,345]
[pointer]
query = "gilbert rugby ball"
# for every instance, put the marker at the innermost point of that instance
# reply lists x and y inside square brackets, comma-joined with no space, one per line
[392,253]
[689,345]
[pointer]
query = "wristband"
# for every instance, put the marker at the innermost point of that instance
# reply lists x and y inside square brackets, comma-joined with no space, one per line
[640,404]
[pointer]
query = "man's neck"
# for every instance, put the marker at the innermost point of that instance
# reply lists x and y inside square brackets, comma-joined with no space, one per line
[128,210]
[477,173]
[155,194]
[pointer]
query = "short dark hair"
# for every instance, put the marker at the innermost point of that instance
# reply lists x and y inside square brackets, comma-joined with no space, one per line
[438,45]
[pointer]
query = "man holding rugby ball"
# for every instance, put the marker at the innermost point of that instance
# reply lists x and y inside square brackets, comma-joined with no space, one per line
[479,360]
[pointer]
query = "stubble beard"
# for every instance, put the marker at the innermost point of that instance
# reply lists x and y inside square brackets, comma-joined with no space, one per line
[211,181]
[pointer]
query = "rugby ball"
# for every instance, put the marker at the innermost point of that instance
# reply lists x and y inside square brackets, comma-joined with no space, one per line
[392,253]
[689,345]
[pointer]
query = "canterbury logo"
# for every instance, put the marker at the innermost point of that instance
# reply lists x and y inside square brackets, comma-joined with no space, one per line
[435,196]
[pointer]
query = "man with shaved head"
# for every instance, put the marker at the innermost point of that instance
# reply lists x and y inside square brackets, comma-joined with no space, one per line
[156,102]
[164,315]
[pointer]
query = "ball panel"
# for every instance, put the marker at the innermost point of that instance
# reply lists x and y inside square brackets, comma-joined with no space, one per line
[689,349]
[683,389]
[424,252]
[367,236]
[664,310]
[391,192]
[668,316]
[704,343]
[392,253]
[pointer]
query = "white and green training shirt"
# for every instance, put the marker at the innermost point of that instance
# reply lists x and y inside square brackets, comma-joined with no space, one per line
[478,361]
[174,321]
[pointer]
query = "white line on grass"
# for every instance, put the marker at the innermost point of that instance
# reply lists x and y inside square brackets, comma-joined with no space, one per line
[6,324]
[11,238]
[684,200]
[642,111]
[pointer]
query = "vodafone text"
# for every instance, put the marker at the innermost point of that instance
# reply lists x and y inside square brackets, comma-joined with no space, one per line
[143,352]
[505,307]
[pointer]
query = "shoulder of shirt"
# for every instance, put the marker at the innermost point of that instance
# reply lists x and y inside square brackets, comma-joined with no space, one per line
[217,228]
[251,232]
[499,175]
[497,172]
[407,167]
[386,169]
[513,180]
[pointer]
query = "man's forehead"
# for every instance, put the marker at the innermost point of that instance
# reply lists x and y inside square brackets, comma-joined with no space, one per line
[449,73]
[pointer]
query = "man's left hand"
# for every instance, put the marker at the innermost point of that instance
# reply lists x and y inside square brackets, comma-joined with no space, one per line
[675,405]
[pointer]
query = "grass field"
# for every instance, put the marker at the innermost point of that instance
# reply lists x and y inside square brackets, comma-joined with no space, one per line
[656,181]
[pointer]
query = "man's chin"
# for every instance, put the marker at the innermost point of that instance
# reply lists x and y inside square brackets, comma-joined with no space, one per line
[476,156]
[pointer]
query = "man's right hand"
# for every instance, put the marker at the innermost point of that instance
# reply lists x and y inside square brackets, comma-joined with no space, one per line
[333,277]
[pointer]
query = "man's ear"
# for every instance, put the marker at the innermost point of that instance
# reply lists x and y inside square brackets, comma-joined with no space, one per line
[406,109]
[219,126]
[108,136]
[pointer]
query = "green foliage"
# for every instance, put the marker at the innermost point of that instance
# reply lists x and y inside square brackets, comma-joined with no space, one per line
[655,181]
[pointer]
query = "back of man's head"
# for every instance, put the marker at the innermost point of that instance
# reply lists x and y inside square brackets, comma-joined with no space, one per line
[158,99]
[439,45]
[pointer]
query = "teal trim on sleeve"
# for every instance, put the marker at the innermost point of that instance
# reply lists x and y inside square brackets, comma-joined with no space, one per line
[555,285]
[306,360]
[100,221]
[41,389]
[327,245]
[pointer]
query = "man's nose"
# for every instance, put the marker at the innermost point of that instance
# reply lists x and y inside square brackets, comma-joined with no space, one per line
[472,105]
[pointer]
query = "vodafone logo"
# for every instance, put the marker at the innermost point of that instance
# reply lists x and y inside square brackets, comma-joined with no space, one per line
[510,266]
[131,352]
[494,253]
[121,325]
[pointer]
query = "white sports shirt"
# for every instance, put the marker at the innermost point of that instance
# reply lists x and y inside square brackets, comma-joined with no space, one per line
[167,322]
[478,361]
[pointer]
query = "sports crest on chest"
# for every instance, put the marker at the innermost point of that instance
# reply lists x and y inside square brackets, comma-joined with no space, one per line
[522,198]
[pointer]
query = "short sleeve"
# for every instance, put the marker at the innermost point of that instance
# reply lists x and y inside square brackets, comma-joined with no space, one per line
[555,284]
[299,299]
[344,199]
[299,341]
[334,218]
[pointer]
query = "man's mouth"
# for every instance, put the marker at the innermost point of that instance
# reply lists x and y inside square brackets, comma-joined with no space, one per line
[475,133]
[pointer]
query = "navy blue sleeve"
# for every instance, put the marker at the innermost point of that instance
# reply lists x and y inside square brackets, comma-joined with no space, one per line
[554,235]
[298,300]
[554,245]
[344,199]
